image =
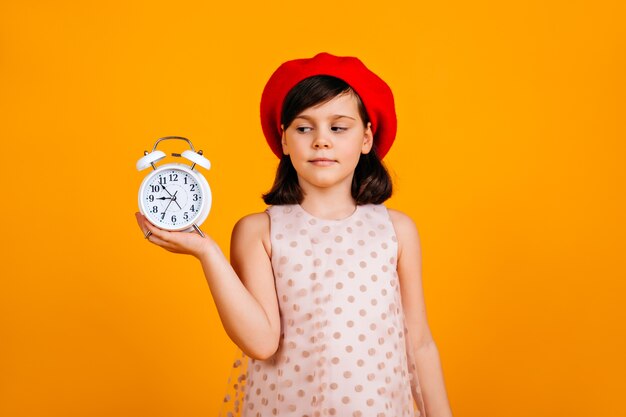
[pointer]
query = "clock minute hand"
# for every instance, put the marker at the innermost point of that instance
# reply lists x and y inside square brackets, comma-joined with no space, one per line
[166,190]
[174,199]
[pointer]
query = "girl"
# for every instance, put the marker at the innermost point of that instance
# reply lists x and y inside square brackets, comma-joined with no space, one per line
[324,295]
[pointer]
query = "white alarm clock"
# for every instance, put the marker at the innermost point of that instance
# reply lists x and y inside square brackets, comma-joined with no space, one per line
[174,196]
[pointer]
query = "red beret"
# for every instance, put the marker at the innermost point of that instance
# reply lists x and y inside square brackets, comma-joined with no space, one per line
[374,92]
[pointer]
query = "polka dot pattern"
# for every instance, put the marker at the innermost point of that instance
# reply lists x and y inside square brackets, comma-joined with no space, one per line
[344,348]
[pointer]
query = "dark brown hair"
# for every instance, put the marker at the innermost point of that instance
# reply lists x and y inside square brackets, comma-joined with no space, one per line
[371,183]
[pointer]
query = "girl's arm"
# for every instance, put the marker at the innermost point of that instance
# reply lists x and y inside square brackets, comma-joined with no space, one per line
[430,373]
[244,293]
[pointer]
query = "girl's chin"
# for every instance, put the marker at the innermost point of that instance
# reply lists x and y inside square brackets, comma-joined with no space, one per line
[322,181]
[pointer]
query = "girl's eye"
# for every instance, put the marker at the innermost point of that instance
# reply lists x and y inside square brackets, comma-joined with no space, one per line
[303,129]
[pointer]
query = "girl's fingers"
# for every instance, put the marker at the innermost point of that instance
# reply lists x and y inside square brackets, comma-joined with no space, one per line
[169,246]
[162,237]
[158,241]
[155,230]
[139,218]
[146,227]
[142,222]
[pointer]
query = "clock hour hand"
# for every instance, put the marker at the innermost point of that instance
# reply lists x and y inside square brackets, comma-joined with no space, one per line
[163,198]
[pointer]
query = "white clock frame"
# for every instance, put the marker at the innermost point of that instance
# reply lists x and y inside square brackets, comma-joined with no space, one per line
[150,158]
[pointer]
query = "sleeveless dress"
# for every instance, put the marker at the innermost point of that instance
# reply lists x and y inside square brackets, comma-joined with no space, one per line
[344,348]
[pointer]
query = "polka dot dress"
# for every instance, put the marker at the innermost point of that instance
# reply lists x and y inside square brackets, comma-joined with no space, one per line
[344,349]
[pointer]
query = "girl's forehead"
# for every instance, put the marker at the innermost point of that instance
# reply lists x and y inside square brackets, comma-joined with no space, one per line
[345,104]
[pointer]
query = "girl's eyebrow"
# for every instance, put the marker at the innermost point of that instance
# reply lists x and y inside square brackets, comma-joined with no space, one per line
[334,116]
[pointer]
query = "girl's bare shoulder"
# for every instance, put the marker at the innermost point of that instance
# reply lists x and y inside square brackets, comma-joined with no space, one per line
[253,227]
[400,219]
[405,227]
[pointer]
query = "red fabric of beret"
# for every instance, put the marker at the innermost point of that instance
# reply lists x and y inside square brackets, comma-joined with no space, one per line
[374,92]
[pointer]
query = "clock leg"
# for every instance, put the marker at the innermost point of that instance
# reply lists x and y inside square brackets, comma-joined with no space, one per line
[198,230]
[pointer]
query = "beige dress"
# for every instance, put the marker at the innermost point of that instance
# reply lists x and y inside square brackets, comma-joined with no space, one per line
[344,349]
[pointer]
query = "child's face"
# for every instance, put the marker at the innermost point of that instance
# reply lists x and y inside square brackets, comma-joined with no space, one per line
[332,131]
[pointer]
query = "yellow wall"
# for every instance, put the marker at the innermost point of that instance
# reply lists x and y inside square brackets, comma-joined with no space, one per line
[510,157]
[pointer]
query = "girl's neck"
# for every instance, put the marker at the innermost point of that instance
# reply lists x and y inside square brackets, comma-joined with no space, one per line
[332,202]
[328,205]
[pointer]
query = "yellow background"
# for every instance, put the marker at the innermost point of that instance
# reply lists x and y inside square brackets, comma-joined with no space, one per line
[510,157]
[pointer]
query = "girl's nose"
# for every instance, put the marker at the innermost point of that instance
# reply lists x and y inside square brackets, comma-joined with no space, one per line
[321,141]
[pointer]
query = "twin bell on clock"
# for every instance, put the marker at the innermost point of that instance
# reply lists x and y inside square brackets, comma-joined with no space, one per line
[175,196]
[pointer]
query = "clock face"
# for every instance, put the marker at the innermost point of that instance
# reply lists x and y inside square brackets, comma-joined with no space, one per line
[172,198]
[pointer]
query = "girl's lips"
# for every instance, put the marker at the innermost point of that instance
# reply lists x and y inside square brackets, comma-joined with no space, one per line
[322,162]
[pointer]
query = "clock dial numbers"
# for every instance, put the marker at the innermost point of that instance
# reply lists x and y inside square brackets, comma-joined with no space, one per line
[173,198]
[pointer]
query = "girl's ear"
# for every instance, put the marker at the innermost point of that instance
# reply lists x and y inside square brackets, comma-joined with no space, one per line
[368,139]
[283,141]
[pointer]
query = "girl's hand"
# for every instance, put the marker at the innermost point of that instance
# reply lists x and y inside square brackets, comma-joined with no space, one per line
[176,242]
